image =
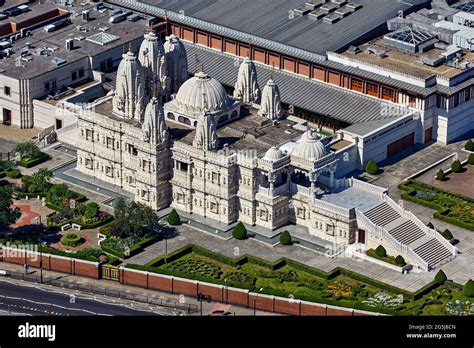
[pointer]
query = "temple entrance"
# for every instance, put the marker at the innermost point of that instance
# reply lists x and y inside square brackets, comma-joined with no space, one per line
[361,238]
[7,117]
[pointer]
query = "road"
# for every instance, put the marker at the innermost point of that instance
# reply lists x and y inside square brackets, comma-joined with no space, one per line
[19,298]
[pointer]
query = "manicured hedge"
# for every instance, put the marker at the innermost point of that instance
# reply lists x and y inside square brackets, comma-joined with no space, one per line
[14,174]
[441,212]
[71,239]
[83,225]
[33,162]
[134,248]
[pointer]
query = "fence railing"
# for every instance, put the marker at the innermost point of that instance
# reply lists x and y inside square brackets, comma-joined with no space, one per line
[189,308]
[428,231]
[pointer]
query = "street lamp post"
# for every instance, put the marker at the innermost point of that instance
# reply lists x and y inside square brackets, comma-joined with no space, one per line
[41,267]
[225,290]
[255,302]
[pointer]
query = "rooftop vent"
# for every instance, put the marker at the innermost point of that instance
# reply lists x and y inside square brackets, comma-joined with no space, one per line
[353,49]
[58,61]
[376,52]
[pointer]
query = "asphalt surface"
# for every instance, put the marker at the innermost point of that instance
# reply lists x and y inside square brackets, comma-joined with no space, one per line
[18,298]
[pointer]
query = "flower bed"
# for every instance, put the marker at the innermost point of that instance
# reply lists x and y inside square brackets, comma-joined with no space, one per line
[450,207]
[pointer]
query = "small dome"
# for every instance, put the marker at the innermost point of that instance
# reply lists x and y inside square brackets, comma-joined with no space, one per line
[273,154]
[309,147]
[190,95]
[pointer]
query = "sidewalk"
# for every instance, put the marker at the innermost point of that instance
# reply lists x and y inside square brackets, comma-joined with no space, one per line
[111,285]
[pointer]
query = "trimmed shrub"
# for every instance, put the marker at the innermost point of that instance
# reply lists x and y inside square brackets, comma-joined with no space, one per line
[71,239]
[372,167]
[440,175]
[456,166]
[470,160]
[430,225]
[469,146]
[447,234]
[285,238]
[440,277]
[14,174]
[239,232]
[468,289]
[400,261]
[380,251]
[29,163]
[173,218]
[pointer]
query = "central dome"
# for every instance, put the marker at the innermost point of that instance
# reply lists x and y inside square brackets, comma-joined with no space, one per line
[309,147]
[190,96]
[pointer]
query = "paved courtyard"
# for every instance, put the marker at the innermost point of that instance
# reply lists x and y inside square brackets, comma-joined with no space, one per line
[462,183]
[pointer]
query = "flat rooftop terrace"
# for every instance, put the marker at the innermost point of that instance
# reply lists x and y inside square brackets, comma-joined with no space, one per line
[53,43]
[353,198]
[250,132]
[406,62]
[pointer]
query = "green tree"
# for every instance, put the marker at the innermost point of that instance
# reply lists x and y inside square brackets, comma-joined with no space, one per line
[8,215]
[468,290]
[372,167]
[41,179]
[173,218]
[456,166]
[133,218]
[440,175]
[447,234]
[469,146]
[380,251]
[28,149]
[91,210]
[400,261]
[470,160]
[285,238]
[440,277]
[239,232]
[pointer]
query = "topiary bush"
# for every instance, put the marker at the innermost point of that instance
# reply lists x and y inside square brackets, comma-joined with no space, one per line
[71,239]
[440,277]
[14,174]
[372,167]
[470,160]
[400,261]
[239,232]
[469,146]
[380,251]
[468,289]
[447,234]
[440,175]
[285,238]
[173,218]
[456,166]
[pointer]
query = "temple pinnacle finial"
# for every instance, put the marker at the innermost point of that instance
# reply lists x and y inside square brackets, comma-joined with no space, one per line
[130,47]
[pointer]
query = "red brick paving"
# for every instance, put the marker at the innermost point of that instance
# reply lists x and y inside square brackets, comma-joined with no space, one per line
[462,183]
[27,215]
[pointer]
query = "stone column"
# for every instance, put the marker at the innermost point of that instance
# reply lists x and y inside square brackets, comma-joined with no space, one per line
[271,180]
[313,178]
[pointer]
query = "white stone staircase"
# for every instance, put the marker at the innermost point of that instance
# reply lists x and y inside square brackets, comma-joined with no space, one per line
[407,234]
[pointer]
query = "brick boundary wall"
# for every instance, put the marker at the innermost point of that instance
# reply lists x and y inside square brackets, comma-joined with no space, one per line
[176,285]
[235,296]
[52,262]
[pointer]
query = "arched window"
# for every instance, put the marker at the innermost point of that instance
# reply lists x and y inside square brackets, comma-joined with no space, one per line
[171,116]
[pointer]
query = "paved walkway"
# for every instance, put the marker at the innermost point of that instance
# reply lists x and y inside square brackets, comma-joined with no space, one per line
[235,248]
[27,215]
[459,269]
